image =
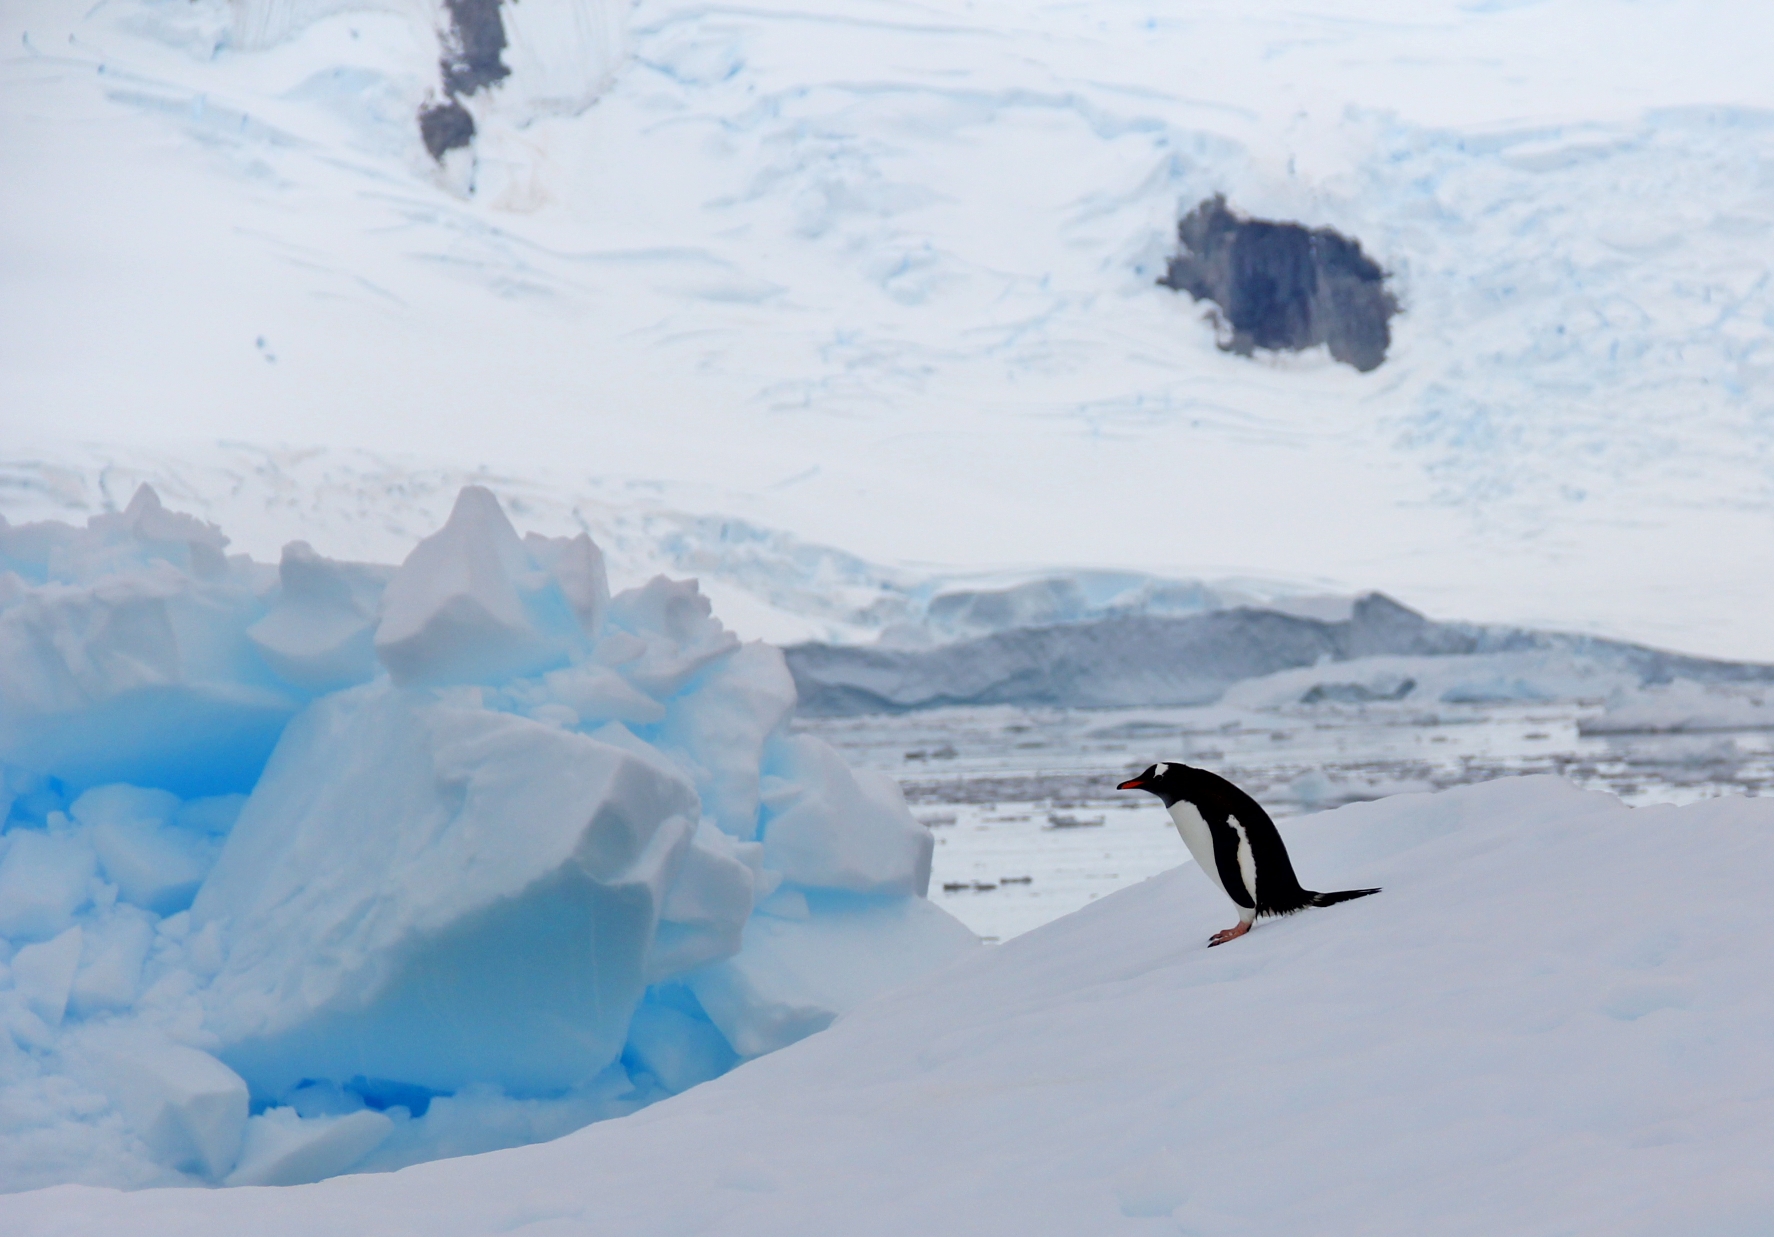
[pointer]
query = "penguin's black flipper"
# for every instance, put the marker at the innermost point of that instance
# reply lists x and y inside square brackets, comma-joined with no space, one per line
[1342,895]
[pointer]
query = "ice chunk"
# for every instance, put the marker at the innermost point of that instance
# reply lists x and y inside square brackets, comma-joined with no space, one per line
[112,952]
[281,1148]
[829,826]
[113,542]
[469,605]
[188,1108]
[673,1040]
[44,974]
[212,815]
[320,632]
[597,694]
[144,676]
[44,879]
[795,975]
[439,894]
[719,732]
[577,566]
[677,632]
[154,865]
[124,804]
[707,906]
[476,888]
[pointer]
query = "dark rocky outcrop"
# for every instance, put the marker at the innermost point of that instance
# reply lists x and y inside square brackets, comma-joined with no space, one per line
[474,48]
[445,126]
[1283,286]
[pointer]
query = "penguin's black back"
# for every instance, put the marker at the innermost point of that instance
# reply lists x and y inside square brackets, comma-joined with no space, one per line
[1278,890]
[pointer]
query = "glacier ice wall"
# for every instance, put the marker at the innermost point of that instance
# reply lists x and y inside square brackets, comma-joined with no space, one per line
[332,866]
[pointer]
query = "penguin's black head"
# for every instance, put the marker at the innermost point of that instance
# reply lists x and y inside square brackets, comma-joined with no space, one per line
[1167,779]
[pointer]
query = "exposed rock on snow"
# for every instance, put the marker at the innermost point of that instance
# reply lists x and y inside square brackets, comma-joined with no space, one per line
[1279,285]
[539,58]
[528,854]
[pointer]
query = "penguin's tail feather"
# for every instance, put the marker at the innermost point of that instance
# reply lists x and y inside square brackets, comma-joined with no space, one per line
[1342,895]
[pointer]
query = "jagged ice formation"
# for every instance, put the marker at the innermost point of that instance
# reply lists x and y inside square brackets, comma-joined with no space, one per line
[332,866]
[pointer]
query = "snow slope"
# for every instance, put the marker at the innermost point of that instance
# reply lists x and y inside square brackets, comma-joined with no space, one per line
[885,272]
[1552,1021]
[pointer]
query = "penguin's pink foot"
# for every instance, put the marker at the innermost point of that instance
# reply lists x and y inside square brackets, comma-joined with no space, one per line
[1230,934]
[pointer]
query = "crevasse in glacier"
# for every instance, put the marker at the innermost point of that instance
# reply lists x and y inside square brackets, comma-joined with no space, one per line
[331,867]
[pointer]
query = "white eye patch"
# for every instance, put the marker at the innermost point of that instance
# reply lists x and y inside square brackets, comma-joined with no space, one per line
[1161,770]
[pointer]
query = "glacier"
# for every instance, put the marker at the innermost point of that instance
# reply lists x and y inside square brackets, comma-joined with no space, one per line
[862,272]
[331,866]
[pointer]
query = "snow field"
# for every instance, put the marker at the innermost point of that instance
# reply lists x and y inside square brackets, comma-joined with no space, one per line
[876,270]
[1551,1021]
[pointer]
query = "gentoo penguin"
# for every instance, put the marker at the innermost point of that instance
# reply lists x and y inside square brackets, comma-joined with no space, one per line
[1235,843]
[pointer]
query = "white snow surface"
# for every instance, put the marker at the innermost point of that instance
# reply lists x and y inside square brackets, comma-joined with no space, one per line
[1553,1020]
[328,866]
[882,274]
[1683,706]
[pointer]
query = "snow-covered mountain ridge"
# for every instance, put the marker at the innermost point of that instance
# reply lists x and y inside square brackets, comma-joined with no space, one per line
[1552,1020]
[888,272]
[1155,660]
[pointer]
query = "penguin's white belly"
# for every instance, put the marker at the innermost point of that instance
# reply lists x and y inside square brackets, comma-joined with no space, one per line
[1193,827]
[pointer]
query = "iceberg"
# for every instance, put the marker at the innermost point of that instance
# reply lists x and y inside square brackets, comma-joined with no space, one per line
[334,866]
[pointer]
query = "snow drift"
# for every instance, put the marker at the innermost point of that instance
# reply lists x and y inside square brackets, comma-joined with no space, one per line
[1552,1020]
[332,865]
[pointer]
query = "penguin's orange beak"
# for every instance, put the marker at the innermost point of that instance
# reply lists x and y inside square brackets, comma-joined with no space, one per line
[1135,784]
